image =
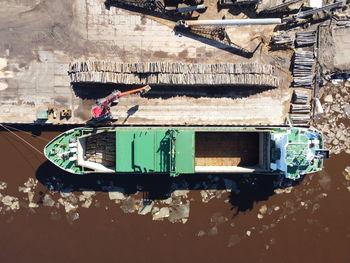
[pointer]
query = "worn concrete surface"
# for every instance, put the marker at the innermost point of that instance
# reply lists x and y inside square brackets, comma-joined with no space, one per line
[334,48]
[39,38]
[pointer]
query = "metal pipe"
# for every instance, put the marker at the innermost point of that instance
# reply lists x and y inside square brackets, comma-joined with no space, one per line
[229,22]
[190,8]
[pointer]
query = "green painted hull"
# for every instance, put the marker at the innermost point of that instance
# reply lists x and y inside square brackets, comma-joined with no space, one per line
[187,150]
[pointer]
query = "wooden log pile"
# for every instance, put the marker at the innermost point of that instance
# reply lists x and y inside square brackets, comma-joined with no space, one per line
[174,73]
[100,148]
[297,108]
[300,97]
[305,38]
[300,119]
[303,69]
[284,40]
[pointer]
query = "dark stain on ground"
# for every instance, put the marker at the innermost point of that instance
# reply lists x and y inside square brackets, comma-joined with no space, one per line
[61,101]
[139,28]
[183,53]
[48,24]
[161,54]
[84,110]
[143,20]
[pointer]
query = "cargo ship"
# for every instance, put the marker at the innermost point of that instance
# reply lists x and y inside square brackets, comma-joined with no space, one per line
[289,151]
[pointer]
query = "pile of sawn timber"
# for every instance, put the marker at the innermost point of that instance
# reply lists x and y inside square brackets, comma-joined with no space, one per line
[174,73]
[307,38]
[303,69]
[299,106]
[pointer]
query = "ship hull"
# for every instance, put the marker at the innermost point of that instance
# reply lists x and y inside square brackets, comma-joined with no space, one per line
[186,150]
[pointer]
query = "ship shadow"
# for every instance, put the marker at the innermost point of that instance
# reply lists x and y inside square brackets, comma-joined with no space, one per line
[244,190]
[93,91]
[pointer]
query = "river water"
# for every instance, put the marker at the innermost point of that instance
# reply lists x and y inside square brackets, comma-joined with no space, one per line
[51,216]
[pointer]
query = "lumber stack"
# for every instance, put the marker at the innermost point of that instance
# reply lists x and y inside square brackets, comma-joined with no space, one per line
[303,68]
[100,148]
[297,108]
[300,97]
[300,119]
[174,73]
[283,40]
[307,38]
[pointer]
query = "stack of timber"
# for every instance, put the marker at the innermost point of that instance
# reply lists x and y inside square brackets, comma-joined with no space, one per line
[100,148]
[297,108]
[283,40]
[303,68]
[174,73]
[300,119]
[300,97]
[305,38]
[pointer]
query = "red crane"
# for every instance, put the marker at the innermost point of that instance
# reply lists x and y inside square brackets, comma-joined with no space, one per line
[101,110]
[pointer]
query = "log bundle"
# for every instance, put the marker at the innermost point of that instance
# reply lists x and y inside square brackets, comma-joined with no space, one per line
[284,40]
[303,69]
[300,97]
[300,119]
[297,108]
[174,73]
[307,38]
[100,148]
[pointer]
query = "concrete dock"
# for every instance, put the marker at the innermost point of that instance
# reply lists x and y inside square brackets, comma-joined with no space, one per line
[40,39]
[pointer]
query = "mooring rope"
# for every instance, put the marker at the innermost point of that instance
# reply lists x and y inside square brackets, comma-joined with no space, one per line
[36,136]
[19,137]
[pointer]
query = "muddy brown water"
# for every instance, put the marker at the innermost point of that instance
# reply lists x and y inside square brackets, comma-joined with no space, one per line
[309,223]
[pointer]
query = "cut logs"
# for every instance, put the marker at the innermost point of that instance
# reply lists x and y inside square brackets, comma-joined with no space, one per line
[300,119]
[305,38]
[174,73]
[297,108]
[303,69]
[300,97]
[283,40]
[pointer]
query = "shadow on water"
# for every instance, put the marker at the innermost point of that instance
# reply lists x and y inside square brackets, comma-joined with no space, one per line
[89,91]
[37,129]
[245,189]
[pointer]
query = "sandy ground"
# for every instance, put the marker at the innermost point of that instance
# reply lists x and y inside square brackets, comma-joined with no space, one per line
[40,39]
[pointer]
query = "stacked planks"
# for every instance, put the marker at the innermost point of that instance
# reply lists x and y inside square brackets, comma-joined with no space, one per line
[307,38]
[300,97]
[174,73]
[303,68]
[297,108]
[283,40]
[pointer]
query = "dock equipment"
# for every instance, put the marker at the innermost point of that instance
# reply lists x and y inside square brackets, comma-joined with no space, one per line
[42,115]
[65,114]
[158,6]
[229,22]
[279,8]
[101,110]
[308,13]
[229,3]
